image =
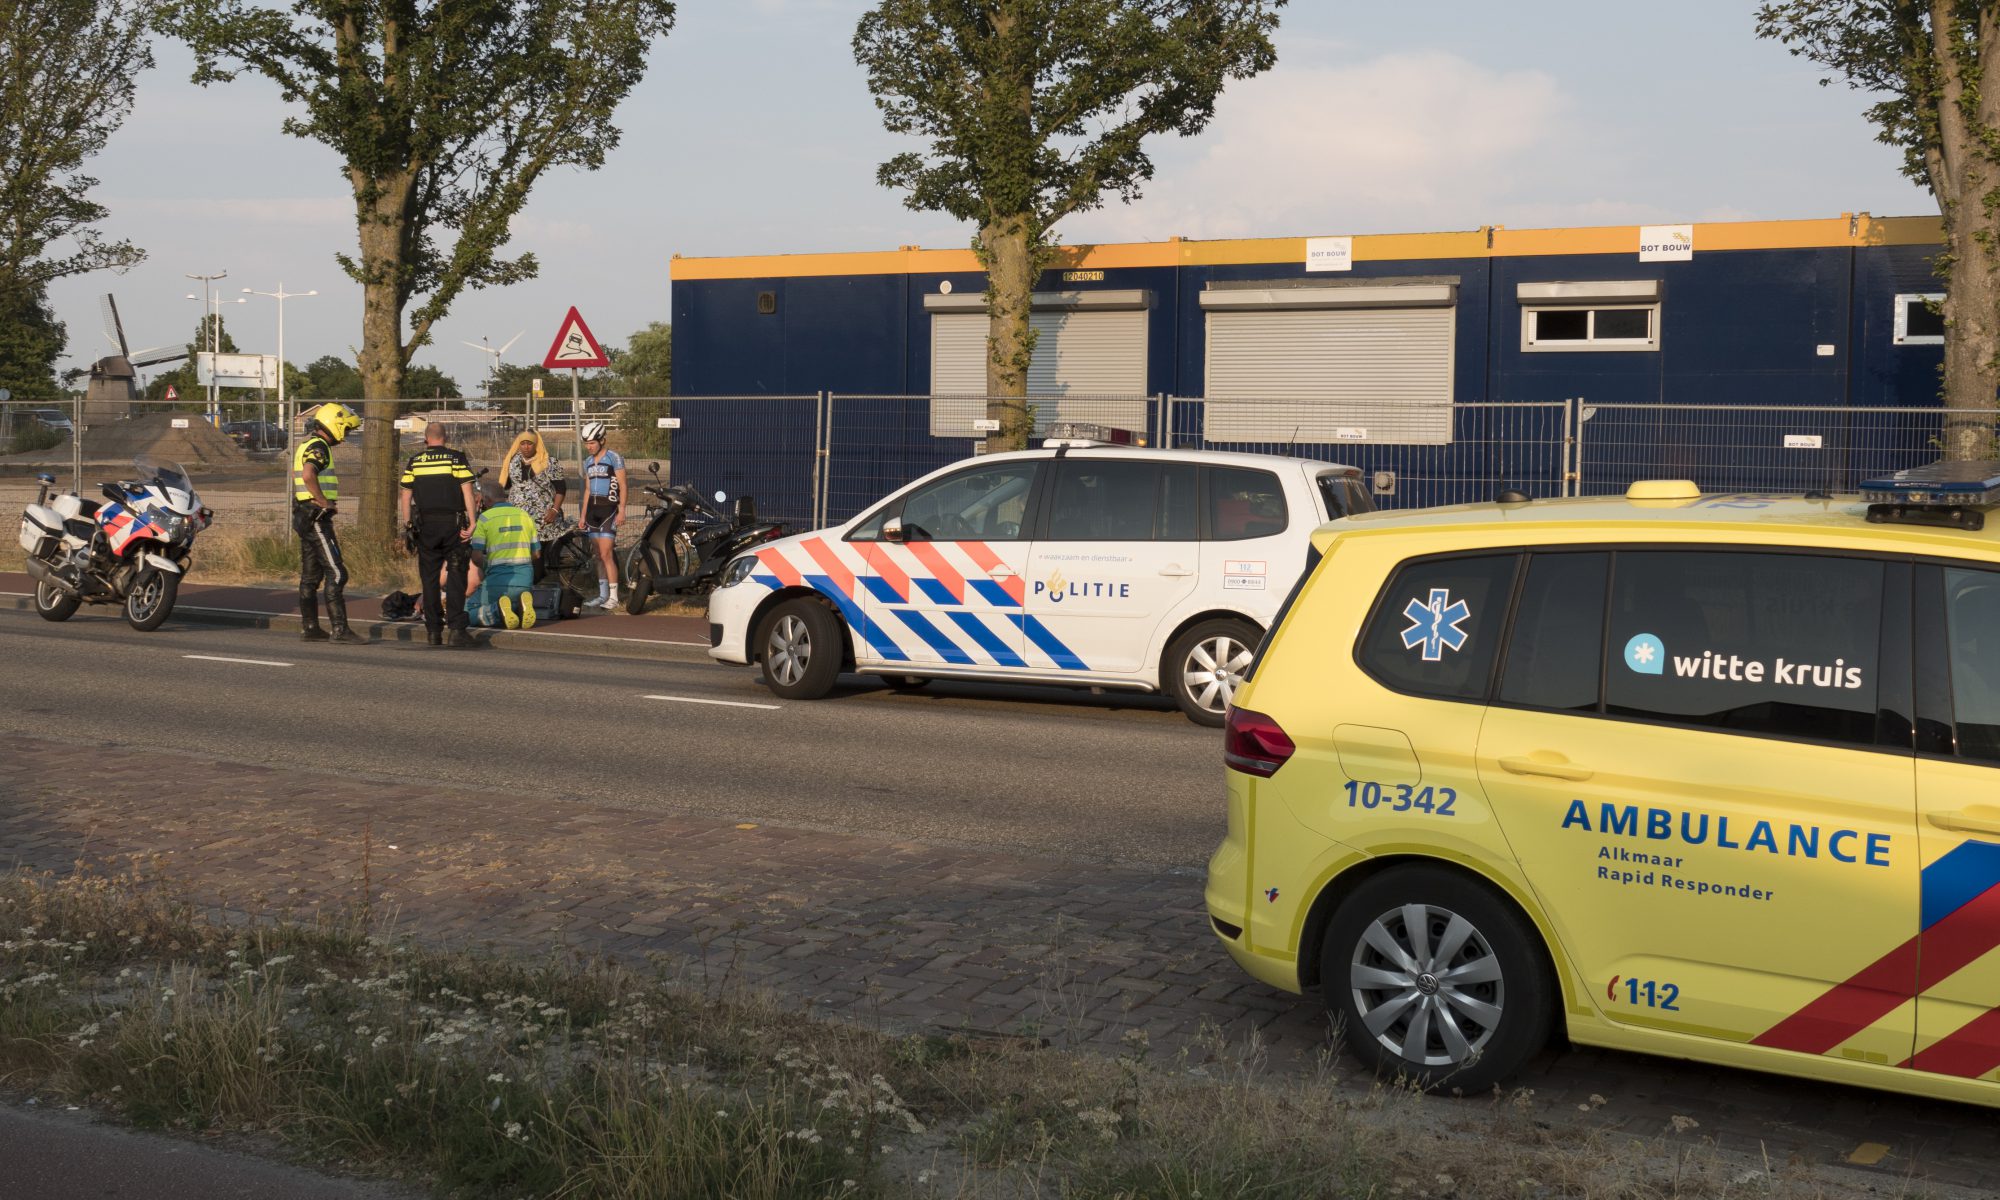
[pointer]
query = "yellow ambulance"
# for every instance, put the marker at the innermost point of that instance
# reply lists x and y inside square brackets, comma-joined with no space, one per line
[1708,776]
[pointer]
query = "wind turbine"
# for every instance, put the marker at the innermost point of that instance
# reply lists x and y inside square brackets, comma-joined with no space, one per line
[493,368]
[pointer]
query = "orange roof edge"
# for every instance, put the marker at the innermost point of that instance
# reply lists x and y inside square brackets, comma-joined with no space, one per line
[1492,241]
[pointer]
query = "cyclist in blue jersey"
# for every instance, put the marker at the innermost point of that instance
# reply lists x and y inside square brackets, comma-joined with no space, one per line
[603,501]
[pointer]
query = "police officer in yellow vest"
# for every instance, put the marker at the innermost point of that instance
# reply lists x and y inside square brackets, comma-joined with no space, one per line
[315,497]
[437,507]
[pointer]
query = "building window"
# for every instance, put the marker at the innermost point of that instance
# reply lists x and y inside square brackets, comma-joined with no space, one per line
[1578,328]
[1917,322]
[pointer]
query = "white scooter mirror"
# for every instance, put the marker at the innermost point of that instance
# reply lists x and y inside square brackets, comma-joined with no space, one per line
[721,497]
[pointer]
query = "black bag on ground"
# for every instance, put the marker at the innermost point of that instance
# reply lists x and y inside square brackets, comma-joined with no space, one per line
[399,606]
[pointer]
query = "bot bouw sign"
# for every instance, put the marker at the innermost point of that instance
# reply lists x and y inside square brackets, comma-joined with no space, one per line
[574,347]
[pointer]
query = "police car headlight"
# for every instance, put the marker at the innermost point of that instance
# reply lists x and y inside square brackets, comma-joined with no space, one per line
[738,570]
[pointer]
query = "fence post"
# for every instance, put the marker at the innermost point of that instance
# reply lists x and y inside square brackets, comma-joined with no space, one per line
[822,458]
[1574,405]
[76,445]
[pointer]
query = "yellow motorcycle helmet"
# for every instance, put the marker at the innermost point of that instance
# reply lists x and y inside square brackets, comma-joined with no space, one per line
[337,419]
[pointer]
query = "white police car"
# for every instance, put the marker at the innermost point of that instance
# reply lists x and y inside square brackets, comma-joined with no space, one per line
[1081,564]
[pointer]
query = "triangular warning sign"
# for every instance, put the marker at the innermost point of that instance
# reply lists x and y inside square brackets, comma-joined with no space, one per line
[574,347]
[172,395]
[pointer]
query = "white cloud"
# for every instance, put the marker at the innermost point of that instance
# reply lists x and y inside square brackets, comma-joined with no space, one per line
[1404,142]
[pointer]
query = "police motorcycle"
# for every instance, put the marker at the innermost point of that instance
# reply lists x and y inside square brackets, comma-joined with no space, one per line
[131,550]
[686,542]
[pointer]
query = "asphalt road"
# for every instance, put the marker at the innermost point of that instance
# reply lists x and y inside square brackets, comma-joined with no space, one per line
[1099,778]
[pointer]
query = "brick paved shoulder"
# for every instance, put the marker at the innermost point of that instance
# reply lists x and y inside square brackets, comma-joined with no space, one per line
[902,934]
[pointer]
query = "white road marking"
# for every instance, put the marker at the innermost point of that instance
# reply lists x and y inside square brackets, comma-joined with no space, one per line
[723,703]
[255,662]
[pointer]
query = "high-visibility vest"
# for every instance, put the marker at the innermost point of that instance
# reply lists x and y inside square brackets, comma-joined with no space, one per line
[329,483]
[506,534]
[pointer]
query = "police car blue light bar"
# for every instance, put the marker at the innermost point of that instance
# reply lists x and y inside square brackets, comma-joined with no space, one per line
[1944,493]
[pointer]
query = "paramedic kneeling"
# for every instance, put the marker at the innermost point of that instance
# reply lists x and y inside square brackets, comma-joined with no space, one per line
[504,542]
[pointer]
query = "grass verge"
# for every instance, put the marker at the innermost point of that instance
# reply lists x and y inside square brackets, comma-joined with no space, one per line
[485,1075]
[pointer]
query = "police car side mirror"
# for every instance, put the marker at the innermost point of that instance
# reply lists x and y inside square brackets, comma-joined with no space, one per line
[892,529]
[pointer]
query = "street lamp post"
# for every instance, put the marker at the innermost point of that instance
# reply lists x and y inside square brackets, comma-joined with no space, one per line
[281,295]
[215,336]
[215,346]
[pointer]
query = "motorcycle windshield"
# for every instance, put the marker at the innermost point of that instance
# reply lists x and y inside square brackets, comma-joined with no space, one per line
[162,472]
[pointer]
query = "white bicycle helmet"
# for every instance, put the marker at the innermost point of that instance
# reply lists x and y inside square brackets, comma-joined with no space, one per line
[593,430]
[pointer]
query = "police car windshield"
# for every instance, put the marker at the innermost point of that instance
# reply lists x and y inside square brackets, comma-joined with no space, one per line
[163,471]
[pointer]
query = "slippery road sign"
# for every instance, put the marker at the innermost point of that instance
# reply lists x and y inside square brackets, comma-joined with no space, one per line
[574,347]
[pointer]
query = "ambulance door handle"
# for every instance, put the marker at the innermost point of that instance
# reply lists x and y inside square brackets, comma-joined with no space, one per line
[1175,571]
[1980,818]
[1544,763]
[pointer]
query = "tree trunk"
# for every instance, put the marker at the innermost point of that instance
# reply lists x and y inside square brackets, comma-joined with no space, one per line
[1010,342]
[381,373]
[1963,175]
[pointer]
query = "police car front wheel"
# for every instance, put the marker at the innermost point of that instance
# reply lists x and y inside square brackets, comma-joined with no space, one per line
[1436,978]
[800,647]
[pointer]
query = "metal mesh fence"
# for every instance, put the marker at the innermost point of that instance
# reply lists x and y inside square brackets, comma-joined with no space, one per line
[1736,449]
[767,447]
[875,444]
[1490,446]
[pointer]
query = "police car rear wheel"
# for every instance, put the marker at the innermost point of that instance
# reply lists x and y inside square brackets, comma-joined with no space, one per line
[1434,977]
[1206,665]
[801,649]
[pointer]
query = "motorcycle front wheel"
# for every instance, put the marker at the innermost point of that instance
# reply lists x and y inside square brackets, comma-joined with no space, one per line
[151,599]
[54,604]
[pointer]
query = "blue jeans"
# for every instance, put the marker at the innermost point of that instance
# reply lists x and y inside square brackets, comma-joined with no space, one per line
[501,579]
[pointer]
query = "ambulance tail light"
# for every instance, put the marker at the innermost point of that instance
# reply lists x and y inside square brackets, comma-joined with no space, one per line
[1254,744]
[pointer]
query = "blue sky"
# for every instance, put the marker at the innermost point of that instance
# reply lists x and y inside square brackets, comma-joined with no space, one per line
[755,133]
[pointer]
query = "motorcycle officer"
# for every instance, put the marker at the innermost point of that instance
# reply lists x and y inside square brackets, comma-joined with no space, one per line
[315,498]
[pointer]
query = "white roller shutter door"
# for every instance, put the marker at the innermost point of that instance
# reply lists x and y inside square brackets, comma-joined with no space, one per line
[1078,354]
[1330,374]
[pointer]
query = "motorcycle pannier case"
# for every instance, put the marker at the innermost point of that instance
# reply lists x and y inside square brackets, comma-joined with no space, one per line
[41,530]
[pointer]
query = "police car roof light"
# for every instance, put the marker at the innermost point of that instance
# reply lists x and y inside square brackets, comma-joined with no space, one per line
[1951,494]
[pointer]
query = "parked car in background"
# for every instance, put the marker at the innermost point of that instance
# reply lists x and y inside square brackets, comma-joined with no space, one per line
[53,418]
[256,435]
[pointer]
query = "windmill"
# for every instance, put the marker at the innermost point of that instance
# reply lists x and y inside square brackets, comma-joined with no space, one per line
[493,368]
[114,378]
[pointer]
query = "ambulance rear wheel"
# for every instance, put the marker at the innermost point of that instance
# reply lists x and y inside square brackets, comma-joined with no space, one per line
[1434,977]
[1205,666]
[800,647]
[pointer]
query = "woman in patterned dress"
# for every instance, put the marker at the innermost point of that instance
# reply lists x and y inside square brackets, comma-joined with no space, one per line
[534,483]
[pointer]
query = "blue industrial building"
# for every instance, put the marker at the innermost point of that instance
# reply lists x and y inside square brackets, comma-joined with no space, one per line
[1337,347]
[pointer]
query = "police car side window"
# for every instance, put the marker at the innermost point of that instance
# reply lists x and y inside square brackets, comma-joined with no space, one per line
[1244,503]
[1972,623]
[1776,644]
[1436,628]
[1122,500]
[984,504]
[1555,648]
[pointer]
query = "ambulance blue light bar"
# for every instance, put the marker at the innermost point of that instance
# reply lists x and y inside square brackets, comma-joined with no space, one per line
[1944,493]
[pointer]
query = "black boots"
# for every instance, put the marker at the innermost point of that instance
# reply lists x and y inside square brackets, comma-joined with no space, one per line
[460,639]
[309,629]
[336,614]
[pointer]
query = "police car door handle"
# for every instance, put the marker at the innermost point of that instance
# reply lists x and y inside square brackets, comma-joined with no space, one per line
[1980,818]
[1003,571]
[1175,571]
[1544,762]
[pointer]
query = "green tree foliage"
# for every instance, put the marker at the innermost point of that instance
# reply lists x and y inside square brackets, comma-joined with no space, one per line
[444,113]
[1035,109]
[644,371]
[1926,60]
[328,377]
[66,69]
[425,382]
[31,340]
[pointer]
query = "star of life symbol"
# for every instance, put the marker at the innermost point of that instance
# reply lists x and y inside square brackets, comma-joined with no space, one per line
[1435,626]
